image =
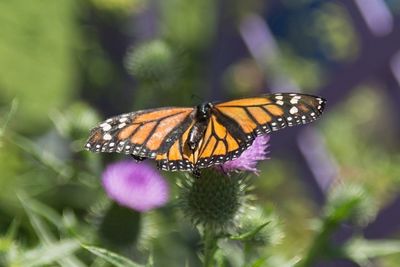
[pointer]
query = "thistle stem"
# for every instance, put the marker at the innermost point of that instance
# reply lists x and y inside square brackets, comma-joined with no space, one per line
[320,246]
[210,239]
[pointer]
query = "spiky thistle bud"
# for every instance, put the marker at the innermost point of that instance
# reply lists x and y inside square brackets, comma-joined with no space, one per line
[153,62]
[350,202]
[260,227]
[214,200]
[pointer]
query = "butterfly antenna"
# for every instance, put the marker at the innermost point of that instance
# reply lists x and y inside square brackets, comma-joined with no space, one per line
[196,97]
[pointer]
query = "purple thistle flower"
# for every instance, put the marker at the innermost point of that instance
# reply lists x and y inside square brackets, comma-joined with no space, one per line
[250,157]
[136,186]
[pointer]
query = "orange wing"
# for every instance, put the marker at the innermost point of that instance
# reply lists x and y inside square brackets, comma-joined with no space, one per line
[143,133]
[178,157]
[250,117]
[220,144]
[234,125]
[217,146]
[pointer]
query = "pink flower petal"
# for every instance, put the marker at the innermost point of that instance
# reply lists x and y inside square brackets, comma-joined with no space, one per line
[135,185]
[249,158]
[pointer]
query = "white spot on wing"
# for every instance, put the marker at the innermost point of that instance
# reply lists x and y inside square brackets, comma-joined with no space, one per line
[107,136]
[106,127]
[293,110]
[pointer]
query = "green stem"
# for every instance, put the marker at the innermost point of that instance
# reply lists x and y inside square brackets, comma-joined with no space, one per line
[320,246]
[210,239]
[246,252]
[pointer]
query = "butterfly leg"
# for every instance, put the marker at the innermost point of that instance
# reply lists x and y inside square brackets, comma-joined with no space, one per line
[138,158]
[196,173]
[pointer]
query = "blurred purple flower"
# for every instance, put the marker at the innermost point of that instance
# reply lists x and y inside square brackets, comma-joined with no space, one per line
[136,186]
[250,157]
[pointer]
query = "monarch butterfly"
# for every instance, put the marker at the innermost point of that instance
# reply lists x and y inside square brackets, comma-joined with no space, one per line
[191,138]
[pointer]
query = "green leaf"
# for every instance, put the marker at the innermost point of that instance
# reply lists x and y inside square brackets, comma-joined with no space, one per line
[44,211]
[361,250]
[47,254]
[249,235]
[47,159]
[10,114]
[12,230]
[111,257]
[45,235]
[259,263]
[7,241]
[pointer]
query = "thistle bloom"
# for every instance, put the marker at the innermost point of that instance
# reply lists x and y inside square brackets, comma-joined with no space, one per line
[136,186]
[249,158]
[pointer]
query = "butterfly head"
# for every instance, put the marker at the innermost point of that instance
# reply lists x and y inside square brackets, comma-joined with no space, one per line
[203,111]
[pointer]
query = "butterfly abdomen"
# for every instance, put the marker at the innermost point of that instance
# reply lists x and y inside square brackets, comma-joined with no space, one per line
[202,116]
[195,134]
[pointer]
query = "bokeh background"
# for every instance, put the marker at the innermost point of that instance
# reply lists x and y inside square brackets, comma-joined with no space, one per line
[65,65]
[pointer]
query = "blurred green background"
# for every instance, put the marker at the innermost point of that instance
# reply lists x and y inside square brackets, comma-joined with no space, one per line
[68,64]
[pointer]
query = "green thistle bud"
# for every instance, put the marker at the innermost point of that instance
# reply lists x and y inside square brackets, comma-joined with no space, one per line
[350,203]
[254,218]
[153,62]
[214,200]
[75,121]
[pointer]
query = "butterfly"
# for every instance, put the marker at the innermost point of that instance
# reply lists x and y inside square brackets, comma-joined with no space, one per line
[192,138]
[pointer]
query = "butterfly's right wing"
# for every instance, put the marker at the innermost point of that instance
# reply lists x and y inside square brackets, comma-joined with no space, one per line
[267,113]
[145,133]
[234,125]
